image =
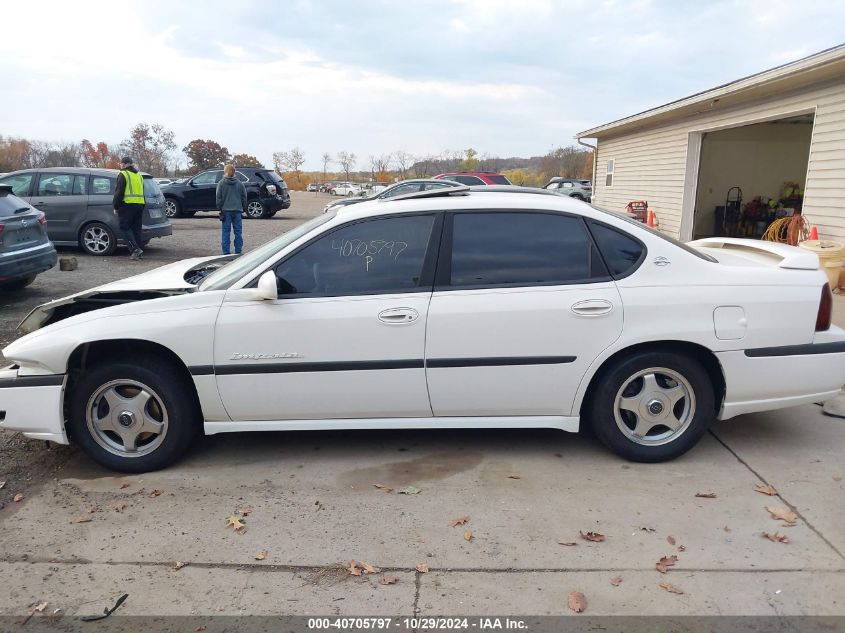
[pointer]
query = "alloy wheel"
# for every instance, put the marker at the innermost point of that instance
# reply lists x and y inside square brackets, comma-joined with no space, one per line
[96,240]
[654,406]
[127,418]
[170,208]
[255,209]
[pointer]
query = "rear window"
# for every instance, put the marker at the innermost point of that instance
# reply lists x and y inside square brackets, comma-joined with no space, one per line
[272,177]
[151,188]
[9,203]
[499,179]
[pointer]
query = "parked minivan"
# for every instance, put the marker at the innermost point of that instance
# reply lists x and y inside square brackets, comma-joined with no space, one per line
[77,202]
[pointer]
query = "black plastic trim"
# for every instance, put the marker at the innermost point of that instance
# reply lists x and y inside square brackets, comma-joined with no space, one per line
[201,370]
[295,367]
[499,361]
[52,380]
[797,350]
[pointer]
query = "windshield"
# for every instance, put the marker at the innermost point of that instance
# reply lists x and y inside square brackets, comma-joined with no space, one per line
[224,277]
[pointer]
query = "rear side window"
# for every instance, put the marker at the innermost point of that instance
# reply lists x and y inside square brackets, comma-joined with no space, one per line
[102,185]
[20,183]
[499,179]
[621,252]
[467,180]
[490,249]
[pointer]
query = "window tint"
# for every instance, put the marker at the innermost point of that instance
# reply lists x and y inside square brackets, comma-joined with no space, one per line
[102,185]
[467,180]
[80,185]
[377,256]
[521,248]
[20,183]
[621,252]
[242,176]
[55,185]
[436,185]
[207,178]
[499,179]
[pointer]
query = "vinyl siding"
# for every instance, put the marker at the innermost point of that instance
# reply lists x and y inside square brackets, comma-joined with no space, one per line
[650,164]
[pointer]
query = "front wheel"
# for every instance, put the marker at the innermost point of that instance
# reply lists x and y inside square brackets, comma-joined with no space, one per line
[652,406]
[134,415]
[97,239]
[255,209]
[172,208]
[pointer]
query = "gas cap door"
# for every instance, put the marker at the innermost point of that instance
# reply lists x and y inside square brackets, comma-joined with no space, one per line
[730,323]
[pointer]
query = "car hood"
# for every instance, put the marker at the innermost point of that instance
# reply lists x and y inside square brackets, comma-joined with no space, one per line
[176,278]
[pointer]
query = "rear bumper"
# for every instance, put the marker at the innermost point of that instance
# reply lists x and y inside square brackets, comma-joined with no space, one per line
[162,229]
[30,261]
[32,405]
[276,203]
[779,377]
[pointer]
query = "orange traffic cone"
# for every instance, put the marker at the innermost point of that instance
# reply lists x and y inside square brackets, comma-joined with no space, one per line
[650,221]
[814,233]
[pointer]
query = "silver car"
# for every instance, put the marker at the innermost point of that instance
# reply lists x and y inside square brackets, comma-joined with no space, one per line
[25,250]
[572,187]
[77,203]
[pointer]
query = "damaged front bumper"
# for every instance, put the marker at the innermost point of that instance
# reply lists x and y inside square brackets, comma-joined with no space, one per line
[32,404]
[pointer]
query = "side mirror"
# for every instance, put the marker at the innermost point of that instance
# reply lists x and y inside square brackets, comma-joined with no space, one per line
[267,289]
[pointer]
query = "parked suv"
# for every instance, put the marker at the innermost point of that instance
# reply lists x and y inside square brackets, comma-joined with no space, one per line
[25,249]
[77,203]
[473,178]
[266,193]
[578,189]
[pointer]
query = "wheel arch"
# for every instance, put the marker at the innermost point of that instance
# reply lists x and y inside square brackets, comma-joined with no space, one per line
[704,356]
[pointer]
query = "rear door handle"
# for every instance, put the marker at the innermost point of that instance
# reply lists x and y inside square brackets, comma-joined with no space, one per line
[592,307]
[398,316]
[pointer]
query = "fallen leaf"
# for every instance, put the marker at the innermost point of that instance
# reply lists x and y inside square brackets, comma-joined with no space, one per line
[670,588]
[595,537]
[317,506]
[383,488]
[18,497]
[458,521]
[616,581]
[409,490]
[124,486]
[422,568]
[247,510]
[261,555]
[664,563]
[201,627]
[81,520]
[670,540]
[93,509]
[156,493]
[119,507]
[766,489]
[2,485]
[356,568]
[726,529]
[512,476]
[179,565]
[783,513]
[835,478]
[235,523]
[776,537]
[682,548]
[567,543]
[387,580]
[706,495]
[468,535]
[577,601]
[369,569]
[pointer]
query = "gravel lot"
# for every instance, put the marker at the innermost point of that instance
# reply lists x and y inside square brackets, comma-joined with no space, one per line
[314,507]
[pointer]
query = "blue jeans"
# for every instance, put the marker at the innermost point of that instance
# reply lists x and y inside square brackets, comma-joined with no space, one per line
[232,220]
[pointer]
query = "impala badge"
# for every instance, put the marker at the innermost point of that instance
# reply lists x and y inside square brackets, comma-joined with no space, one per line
[265,356]
[661,261]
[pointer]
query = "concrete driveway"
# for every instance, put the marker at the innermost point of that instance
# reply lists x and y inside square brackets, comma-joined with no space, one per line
[81,536]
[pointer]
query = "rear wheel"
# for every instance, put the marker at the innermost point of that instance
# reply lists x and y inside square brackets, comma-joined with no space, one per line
[17,284]
[97,239]
[255,209]
[577,196]
[172,208]
[652,406]
[134,416]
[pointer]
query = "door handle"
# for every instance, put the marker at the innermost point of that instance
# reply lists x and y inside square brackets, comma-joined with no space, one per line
[592,307]
[398,316]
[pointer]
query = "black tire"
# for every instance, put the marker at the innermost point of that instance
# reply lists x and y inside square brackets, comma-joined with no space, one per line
[96,238]
[173,400]
[577,196]
[272,213]
[17,284]
[173,208]
[660,442]
[256,210]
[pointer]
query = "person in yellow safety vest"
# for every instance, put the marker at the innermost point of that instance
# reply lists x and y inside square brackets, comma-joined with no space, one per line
[128,204]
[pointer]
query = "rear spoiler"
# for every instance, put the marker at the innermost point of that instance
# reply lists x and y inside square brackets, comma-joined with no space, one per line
[788,256]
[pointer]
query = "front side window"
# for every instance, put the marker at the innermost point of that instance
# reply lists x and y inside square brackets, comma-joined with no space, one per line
[372,257]
[490,249]
[20,183]
[207,178]
[621,252]
[55,185]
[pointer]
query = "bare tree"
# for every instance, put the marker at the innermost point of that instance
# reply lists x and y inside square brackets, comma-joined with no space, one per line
[327,160]
[289,162]
[151,146]
[347,161]
[424,166]
[403,162]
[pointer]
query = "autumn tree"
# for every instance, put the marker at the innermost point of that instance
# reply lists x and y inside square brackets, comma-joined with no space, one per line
[568,162]
[99,155]
[246,160]
[204,155]
[150,146]
[347,161]
[291,162]
[379,166]
[15,153]
[470,162]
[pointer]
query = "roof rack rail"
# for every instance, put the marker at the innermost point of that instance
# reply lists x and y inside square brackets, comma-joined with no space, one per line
[512,189]
[461,190]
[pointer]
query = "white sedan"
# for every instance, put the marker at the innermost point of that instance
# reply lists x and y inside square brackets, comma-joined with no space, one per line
[346,189]
[440,309]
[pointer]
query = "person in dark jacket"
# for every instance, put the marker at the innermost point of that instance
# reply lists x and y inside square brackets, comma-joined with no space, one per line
[231,202]
[128,204]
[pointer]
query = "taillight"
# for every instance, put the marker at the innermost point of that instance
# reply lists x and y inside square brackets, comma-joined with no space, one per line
[825,310]
[271,189]
[42,219]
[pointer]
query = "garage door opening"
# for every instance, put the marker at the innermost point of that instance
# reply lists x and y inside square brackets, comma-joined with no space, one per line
[750,176]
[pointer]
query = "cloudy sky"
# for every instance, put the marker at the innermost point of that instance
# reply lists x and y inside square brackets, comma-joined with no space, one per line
[509,78]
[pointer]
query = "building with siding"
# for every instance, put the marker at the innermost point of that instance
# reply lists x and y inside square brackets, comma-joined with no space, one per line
[784,125]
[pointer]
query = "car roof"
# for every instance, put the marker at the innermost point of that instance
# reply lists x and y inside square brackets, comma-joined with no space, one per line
[91,171]
[468,173]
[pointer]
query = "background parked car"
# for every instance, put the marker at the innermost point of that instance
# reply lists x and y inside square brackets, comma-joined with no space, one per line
[164,181]
[346,189]
[312,186]
[77,202]
[398,189]
[266,192]
[474,178]
[25,249]
[578,189]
